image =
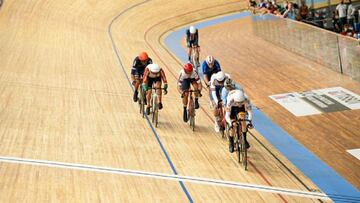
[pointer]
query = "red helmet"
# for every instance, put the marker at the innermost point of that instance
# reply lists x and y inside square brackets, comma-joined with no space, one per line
[188,68]
[143,56]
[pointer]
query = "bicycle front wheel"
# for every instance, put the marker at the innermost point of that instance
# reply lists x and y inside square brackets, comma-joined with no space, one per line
[156,115]
[244,152]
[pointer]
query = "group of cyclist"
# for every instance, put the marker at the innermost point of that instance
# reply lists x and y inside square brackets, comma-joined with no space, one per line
[223,91]
[149,75]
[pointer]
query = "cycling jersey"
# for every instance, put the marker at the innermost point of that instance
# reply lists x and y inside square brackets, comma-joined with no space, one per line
[225,92]
[233,108]
[215,88]
[138,67]
[206,70]
[186,79]
[150,78]
[192,39]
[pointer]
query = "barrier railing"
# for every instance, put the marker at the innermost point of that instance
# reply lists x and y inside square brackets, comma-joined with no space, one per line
[335,51]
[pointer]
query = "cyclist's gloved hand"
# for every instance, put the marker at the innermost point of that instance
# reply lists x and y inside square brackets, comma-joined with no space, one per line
[183,94]
[144,87]
[250,125]
[165,88]
[219,104]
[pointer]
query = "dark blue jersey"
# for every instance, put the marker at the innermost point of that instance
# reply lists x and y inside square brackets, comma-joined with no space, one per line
[192,40]
[206,70]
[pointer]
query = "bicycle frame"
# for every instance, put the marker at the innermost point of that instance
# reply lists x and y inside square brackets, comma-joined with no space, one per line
[239,141]
[155,106]
[191,108]
[222,120]
[194,56]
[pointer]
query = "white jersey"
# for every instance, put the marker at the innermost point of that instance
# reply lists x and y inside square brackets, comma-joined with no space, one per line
[185,76]
[214,85]
[341,8]
[231,103]
[350,11]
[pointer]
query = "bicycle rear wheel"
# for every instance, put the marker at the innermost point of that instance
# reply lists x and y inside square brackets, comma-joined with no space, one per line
[244,152]
[153,108]
[238,144]
[156,115]
[141,102]
[192,121]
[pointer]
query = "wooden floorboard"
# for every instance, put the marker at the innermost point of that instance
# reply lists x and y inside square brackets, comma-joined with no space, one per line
[65,97]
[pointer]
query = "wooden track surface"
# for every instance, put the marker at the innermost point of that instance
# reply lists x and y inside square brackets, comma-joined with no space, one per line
[64,97]
[264,70]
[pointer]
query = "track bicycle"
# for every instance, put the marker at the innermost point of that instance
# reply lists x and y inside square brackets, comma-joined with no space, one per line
[222,122]
[155,105]
[194,57]
[239,140]
[191,107]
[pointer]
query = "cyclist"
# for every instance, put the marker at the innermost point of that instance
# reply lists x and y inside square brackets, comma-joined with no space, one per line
[229,85]
[188,76]
[237,102]
[192,40]
[209,67]
[153,77]
[137,71]
[216,84]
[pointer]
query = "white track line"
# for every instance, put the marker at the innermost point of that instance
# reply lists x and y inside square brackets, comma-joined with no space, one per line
[206,181]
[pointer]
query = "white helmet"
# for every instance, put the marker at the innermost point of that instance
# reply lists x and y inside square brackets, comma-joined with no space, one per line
[238,95]
[192,29]
[210,60]
[220,76]
[229,83]
[154,68]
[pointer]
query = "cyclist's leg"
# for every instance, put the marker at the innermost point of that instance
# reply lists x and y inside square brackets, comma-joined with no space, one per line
[197,53]
[189,51]
[135,83]
[185,85]
[217,119]
[244,128]
[216,109]
[159,93]
[148,95]
[196,86]
[233,114]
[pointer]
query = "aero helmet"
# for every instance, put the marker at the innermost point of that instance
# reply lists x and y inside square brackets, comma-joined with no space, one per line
[154,68]
[229,83]
[143,56]
[239,96]
[220,76]
[210,60]
[192,30]
[188,68]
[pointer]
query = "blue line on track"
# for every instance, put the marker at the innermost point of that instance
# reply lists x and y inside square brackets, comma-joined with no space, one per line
[115,48]
[326,178]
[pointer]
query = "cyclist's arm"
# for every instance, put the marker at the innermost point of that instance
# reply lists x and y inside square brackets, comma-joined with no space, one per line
[196,41]
[187,38]
[145,77]
[249,110]
[163,76]
[227,116]
[204,68]
[213,89]
[206,80]
[217,65]
[180,79]
[224,94]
